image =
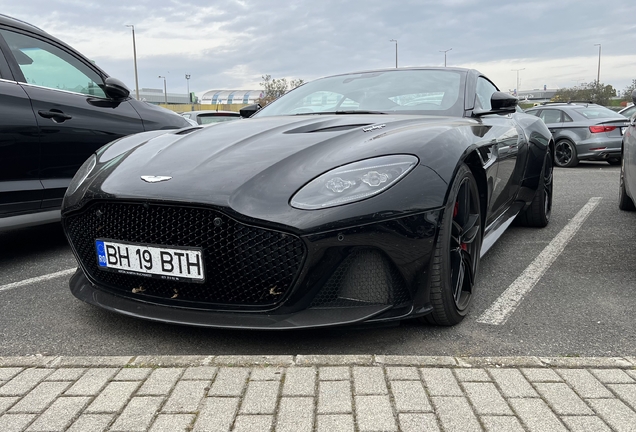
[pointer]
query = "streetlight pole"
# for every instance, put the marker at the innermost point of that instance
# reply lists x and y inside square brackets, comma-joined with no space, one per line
[395,40]
[445,51]
[517,70]
[188,83]
[165,91]
[135,60]
[598,74]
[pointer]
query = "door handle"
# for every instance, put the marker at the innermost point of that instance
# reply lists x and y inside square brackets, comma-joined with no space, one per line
[54,114]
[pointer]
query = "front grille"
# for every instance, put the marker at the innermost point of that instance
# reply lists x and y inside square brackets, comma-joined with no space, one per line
[245,265]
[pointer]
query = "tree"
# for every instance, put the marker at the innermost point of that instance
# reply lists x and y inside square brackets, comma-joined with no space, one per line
[594,92]
[627,93]
[274,88]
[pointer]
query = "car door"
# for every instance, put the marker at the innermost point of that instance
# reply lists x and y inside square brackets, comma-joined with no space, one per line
[553,119]
[74,115]
[20,187]
[504,139]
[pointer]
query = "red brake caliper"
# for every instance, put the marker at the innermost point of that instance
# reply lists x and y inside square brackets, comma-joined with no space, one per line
[455,212]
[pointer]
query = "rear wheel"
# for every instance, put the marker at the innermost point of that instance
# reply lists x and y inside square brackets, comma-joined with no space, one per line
[565,154]
[614,161]
[456,255]
[538,214]
[624,201]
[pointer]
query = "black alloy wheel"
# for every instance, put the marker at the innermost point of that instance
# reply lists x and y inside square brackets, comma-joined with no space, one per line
[565,154]
[539,211]
[548,175]
[457,251]
[624,201]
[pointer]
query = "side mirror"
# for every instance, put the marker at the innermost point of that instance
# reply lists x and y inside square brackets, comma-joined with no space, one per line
[501,103]
[115,89]
[634,96]
[249,111]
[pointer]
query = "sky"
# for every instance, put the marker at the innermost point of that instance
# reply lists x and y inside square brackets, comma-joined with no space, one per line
[230,44]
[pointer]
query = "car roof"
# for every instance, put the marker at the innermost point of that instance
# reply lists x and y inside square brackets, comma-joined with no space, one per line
[18,23]
[571,104]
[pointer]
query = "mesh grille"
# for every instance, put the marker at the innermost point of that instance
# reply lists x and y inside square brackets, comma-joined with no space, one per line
[244,265]
[365,277]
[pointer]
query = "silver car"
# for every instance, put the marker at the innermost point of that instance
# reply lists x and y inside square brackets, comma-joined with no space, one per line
[628,111]
[583,131]
[210,116]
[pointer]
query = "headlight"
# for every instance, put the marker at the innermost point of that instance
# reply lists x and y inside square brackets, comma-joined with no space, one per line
[81,174]
[353,182]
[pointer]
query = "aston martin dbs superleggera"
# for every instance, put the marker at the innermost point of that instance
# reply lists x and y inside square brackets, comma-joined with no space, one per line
[361,197]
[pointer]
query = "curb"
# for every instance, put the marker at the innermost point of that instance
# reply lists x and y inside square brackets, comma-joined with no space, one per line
[39,361]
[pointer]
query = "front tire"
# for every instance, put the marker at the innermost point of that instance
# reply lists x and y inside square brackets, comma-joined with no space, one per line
[624,201]
[538,214]
[565,154]
[456,254]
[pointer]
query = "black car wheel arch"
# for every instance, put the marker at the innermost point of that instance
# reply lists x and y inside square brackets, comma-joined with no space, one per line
[539,211]
[565,154]
[624,201]
[457,252]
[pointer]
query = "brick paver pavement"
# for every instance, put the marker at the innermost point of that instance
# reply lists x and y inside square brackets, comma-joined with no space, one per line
[317,393]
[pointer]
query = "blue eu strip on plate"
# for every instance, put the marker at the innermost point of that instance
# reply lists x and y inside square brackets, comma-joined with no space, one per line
[101,253]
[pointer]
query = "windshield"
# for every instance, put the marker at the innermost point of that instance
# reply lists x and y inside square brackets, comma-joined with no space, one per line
[209,119]
[597,112]
[432,92]
[629,111]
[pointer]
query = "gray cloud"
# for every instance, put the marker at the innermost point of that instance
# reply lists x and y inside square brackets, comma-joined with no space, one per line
[308,39]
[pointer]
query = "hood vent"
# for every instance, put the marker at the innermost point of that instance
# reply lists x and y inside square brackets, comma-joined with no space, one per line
[341,128]
[187,131]
[328,126]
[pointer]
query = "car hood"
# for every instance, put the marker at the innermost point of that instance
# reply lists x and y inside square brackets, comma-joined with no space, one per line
[254,164]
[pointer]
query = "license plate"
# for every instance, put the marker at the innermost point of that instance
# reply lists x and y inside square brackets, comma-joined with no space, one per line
[623,129]
[169,263]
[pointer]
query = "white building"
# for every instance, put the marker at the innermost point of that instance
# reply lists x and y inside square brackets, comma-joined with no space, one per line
[156,96]
[246,97]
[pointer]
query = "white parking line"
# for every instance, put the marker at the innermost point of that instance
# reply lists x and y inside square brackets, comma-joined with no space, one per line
[499,312]
[37,279]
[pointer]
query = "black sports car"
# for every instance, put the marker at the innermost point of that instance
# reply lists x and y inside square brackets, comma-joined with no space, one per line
[361,197]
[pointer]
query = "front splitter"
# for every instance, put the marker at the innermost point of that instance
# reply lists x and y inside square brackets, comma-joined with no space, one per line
[84,290]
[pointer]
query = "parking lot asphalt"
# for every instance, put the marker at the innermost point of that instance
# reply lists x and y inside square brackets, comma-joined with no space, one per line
[582,305]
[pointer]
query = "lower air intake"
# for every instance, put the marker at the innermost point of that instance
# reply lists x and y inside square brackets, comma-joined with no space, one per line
[365,277]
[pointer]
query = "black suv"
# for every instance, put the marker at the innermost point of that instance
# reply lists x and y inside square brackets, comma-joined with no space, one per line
[56,109]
